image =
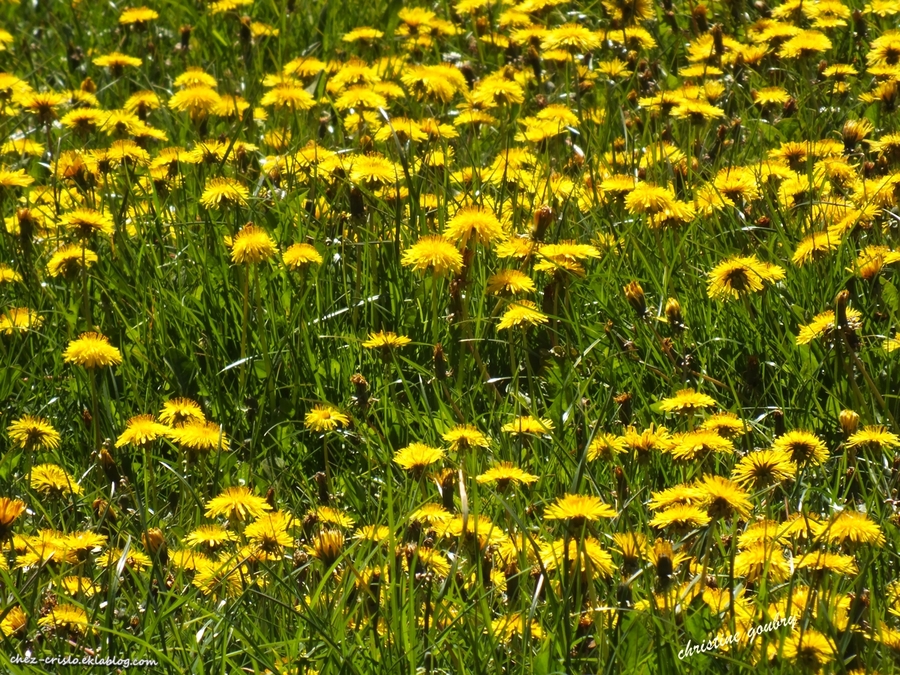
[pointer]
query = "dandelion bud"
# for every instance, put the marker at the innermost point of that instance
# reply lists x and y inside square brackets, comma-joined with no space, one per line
[542,219]
[849,421]
[108,464]
[841,308]
[185,37]
[103,510]
[718,43]
[698,17]
[635,296]
[270,497]
[673,314]
[623,400]
[361,389]
[154,541]
[859,24]
[440,362]
[778,420]
[790,107]
[322,483]
[88,85]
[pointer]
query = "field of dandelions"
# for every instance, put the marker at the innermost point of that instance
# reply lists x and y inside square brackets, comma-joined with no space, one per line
[474,337]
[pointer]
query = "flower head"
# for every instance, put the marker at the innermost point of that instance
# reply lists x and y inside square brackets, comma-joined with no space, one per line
[579,508]
[237,503]
[92,350]
[505,474]
[325,418]
[416,456]
[224,192]
[33,433]
[200,436]
[53,480]
[252,245]
[522,313]
[298,256]
[739,275]
[433,251]
[686,401]
[177,411]
[385,340]
[475,223]
[142,430]
[465,436]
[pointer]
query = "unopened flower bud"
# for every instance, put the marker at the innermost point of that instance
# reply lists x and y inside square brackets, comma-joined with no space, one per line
[849,422]
[635,296]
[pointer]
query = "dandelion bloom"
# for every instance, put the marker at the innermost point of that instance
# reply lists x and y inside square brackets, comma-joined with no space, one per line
[92,350]
[527,424]
[465,436]
[66,616]
[475,223]
[605,446]
[177,411]
[416,456]
[517,624]
[269,532]
[252,245]
[300,255]
[823,326]
[761,560]
[579,508]
[522,313]
[19,320]
[724,498]
[327,546]
[739,275]
[116,61]
[726,424]
[698,444]
[200,436]
[681,516]
[586,557]
[686,401]
[504,474]
[854,527]
[142,430]
[33,433]
[512,282]
[224,192]
[385,340]
[645,198]
[808,648]
[763,468]
[330,516]
[10,510]
[87,222]
[209,537]
[69,260]
[8,274]
[219,578]
[14,622]
[198,101]
[433,251]
[325,418]
[802,446]
[137,15]
[874,436]
[50,479]
[237,503]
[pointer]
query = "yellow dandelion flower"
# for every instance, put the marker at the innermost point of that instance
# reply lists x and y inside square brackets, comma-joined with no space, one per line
[325,418]
[416,456]
[237,503]
[386,340]
[53,480]
[433,251]
[142,430]
[579,508]
[522,314]
[298,256]
[252,245]
[199,435]
[739,275]
[92,350]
